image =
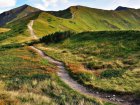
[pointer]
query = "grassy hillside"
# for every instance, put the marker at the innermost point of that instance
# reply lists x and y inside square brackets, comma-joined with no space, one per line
[107,61]
[80,19]
[26,78]
[75,18]
[18,30]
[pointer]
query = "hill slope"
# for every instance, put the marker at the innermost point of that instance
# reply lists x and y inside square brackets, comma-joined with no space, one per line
[108,61]
[79,18]
[75,18]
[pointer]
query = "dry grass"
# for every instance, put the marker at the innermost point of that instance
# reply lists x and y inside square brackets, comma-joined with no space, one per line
[4,30]
[27,79]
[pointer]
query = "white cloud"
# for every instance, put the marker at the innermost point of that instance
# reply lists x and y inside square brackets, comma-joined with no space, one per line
[7,3]
[40,6]
[44,4]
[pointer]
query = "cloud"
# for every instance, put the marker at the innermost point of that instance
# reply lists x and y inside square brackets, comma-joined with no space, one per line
[7,3]
[44,4]
[120,2]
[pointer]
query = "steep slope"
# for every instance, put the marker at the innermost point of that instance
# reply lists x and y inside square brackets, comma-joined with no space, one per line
[18,30]
[79,18]
[16,14]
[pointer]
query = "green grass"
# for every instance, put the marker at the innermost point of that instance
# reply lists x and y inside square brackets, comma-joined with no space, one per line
[86,19]
[105,60]
[75,18]
[18,32]
[26,78]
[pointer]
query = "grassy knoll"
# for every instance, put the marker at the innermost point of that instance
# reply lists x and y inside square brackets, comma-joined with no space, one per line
[26,78]
[105,60]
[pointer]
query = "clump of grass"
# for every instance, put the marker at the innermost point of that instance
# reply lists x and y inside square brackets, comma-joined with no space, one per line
[112,73]
[10,46]
[94,65]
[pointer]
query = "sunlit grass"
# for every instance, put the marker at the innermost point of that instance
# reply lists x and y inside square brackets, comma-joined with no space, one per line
[89,56]
[26,78]
[3,30]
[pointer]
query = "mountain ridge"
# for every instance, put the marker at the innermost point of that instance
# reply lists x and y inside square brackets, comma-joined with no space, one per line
[120,8]
[75,18]
[16,13]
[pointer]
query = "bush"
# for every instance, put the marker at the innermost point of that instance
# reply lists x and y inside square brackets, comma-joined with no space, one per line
[111,73]
[9,46]
[56,37]
[40,77]
[83,77]
[94,65]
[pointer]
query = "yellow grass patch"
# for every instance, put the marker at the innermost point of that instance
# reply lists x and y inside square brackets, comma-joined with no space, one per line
[4,30]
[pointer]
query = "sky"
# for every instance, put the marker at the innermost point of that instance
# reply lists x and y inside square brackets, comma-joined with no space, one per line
[63,4]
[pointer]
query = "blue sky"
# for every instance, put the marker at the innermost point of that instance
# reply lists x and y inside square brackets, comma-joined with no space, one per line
[63,4]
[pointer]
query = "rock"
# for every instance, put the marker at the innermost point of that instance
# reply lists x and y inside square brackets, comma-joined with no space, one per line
[97,92]
[114,95]
[121,100]
[107,96]
[112,99]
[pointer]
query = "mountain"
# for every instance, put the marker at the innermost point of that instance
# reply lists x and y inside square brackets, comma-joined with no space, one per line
[74,18]
[80,18]
[120,8]
[16,14]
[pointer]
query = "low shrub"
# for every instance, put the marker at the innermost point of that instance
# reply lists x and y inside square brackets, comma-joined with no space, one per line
[111,73]
[9,46]
[56,37]
[94,65]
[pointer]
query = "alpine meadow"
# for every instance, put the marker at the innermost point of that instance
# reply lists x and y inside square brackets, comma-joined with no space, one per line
[77,56]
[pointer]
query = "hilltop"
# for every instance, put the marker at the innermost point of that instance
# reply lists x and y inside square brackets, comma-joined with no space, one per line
[16,13]
[120,8]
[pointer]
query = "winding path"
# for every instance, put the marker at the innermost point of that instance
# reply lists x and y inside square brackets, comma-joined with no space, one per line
[64,76]
[30,25]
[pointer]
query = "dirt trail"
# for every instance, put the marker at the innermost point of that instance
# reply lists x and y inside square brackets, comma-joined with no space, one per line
[30,25]
[64,76]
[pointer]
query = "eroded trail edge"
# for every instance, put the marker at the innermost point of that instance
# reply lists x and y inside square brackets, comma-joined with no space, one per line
[64,76]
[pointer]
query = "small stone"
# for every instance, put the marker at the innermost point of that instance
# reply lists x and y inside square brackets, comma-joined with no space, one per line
[121,100]
[97,92]
[114,95]
[112,99]
[108,96]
